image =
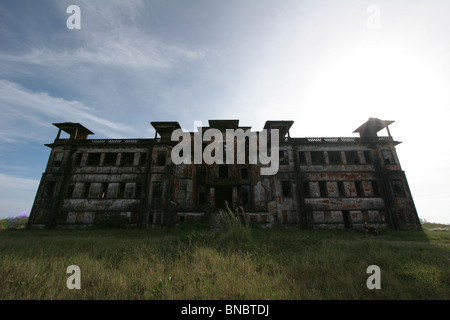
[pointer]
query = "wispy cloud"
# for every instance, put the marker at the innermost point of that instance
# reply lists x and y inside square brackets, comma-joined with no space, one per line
[109,36]
[8,182]
[24,111]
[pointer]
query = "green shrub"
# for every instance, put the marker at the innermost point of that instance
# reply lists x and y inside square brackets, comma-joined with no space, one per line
[13,223]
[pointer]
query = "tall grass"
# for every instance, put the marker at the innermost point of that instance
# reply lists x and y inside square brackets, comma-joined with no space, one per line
[237,231]
[190,262]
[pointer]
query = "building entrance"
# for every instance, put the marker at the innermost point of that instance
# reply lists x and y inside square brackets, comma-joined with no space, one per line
[222,194]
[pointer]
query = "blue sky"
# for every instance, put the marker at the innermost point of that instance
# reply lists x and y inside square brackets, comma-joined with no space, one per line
[318,63]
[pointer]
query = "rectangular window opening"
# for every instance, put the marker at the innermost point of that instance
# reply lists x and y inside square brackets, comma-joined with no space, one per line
[352,157]
[375,189]
[334,157]
[85,192]
[138,191]
[302,158]
[49,189]
[57,160]
[121,190]
[245,196]
[368,157]
[317,157]
[359,189]
[127,159]
[103,190]
[323,189]
[142,159]
[388,157]
[398,188]
[201,175]
[161,158]
[286,189]
[223,171]
[93,159]
[306,192]
[244,173]
[70,191]
[341,189]
[283,157]
[129,191]
[202,198]
[78,159]
[157,190]
[110,159]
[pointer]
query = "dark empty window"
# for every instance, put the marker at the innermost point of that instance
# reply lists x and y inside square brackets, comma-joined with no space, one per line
[283,157]
[398,188]
[128,191]
[352,157]
[78,159]
[138,191]
[57,160]
[223,171]
[49,189]
[157,190]
[341,189]
[93,159]
[110,159]
[286,189]
[368,157]
[388,157]
[245,195]
[161,158]
[127,159]
[85,192]
[201,176]
[323,189]
[375,189]
[302,158]
[317,157]
[306,192]
[142,159]
[121,190]
[70,191]
[202,198]
[244,173]
[103,190]
[359,189]
[334,157]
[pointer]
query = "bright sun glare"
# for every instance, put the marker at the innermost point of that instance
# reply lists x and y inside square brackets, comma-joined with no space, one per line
[377,82]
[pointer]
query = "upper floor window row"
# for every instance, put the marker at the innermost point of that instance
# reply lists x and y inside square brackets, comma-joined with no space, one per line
[342,157]
[124,159]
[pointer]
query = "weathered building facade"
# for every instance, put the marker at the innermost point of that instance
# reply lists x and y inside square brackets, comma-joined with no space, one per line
[320,183]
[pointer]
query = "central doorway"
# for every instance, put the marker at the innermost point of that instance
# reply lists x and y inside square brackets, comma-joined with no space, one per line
[347,219]
[222,194]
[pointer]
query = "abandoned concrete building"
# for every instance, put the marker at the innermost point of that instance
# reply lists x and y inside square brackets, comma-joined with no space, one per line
[321,182]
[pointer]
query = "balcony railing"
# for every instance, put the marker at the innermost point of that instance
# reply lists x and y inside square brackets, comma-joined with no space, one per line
[335,140]
[110,141]
[157,140]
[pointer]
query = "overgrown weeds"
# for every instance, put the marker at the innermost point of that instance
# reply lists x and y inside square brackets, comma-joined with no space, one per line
[237,231]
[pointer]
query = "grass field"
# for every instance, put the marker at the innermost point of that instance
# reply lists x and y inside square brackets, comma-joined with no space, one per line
[190,262]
